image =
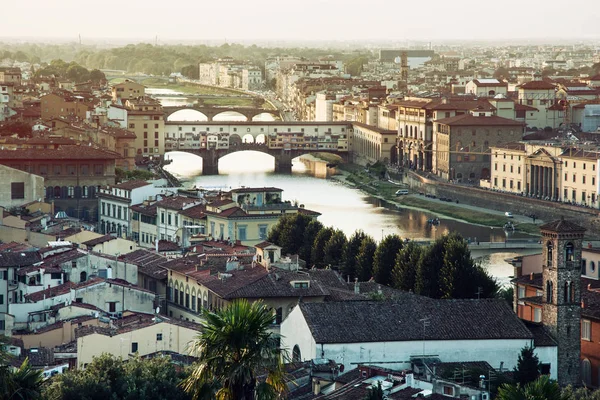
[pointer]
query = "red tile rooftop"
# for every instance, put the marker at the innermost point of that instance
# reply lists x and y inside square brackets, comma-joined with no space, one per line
[129,185]
[471,120]
[537,85]
[64,152]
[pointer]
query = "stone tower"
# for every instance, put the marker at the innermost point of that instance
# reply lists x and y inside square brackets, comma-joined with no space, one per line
[561,309]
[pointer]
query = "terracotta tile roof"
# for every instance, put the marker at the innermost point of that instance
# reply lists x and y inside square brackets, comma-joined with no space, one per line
[176,202]
[148,262]
[537,85]
[390,321]
[51,292]
[14,247]
[129,185]
[374,128]
[541,338]
[533,280]
[464,105]
[67,286]
[99,240]
[149,209]
[222,202]
[165,245]
[19,259]
[280,284]
[562,225]
[62,153]
[308,212]
[33,268]
[196,212]
[224,285]
[264,245]
[471,120]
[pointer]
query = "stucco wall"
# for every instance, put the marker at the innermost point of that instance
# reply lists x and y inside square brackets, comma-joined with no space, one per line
[174,338]
[294,331]
[34,186]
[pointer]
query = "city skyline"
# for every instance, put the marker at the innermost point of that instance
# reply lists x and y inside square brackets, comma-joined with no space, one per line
[316,20]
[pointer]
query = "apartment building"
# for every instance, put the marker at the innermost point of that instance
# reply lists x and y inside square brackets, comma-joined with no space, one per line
[139,334]
[145,118]
[371,144]
[64,104]
[486,87]
[461,144]
[11,75]
[72,174]
[127,90]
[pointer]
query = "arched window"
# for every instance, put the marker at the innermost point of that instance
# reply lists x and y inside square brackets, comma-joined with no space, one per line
[296,356]
[592,267]
[569,252]
[549,254]
[586,372]
[82,276]
[176,292]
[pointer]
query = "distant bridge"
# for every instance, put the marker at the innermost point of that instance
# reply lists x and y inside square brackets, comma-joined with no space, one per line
[211,112]
[283,157]
[110,76]
[508,245]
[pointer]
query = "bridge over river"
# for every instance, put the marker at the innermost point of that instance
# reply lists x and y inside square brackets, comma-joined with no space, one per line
[283,157]
[210,112]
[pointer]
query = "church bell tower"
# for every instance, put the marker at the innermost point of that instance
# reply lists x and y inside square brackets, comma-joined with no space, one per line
[561,302]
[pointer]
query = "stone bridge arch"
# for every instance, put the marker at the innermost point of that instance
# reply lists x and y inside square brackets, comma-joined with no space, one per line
[283,158]
[202,116]
[212,112]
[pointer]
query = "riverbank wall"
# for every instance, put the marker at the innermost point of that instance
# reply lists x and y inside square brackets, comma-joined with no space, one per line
[544,210]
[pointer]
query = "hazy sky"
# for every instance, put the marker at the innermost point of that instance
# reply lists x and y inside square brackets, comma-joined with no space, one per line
[302,19]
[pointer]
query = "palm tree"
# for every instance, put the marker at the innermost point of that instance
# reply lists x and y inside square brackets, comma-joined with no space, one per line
[543,388]
[26,383]
[238,357]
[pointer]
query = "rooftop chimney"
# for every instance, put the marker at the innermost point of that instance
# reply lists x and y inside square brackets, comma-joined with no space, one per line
[356,286]
[531,276]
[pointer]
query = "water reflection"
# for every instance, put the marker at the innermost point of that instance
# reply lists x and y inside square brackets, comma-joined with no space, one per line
[345,208]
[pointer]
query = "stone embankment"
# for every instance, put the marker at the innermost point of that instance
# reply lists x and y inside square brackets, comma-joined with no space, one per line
[544,210]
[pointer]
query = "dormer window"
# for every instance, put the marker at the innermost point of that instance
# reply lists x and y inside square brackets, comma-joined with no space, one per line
[301,284]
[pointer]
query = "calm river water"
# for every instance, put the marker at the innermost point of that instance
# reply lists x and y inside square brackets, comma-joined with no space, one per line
[341,206]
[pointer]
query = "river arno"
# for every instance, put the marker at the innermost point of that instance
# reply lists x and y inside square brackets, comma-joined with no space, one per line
[341,206]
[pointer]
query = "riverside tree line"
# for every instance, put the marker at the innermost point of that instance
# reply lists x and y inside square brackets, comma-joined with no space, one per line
[443,269]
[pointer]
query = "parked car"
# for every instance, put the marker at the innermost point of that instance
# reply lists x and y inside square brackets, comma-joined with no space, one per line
[508,214]
[401,192]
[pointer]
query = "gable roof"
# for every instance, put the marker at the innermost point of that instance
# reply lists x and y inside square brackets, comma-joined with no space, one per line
[280,284]
[390,321]
[19,259]
[537,85]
